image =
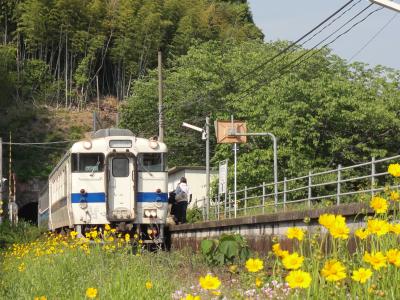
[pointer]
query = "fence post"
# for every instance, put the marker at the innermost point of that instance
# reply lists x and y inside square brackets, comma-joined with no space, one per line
[372,176]
[339,179]
[309,188]
[263,197]
[218,202]
[284,193]
[245,200]
[225,204]
[215,207]
[203,210]
[229,203]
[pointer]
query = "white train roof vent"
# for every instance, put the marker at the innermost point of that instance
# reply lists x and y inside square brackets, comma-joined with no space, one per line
[112,132]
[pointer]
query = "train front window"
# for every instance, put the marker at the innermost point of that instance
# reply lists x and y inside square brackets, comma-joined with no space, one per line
[87,162]
[120,167]
[152,162]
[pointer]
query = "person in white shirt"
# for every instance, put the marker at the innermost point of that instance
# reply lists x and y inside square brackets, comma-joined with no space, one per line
[183,197]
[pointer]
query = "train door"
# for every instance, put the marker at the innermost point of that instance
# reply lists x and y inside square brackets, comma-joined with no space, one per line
[121,188]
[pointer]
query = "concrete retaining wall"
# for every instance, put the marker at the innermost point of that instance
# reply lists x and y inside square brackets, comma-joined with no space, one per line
[260,229]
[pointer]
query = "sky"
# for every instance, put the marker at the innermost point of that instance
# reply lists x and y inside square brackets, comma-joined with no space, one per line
[290,19]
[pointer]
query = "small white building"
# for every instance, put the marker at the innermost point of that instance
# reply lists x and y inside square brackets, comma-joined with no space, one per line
[196,179]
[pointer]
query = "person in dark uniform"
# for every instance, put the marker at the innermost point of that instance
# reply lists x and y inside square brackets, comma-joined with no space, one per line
[172,205]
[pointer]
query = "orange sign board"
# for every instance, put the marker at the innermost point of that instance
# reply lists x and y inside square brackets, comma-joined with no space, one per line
[225,129]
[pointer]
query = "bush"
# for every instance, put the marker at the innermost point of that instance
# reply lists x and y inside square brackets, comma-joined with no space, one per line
[229,249]
[23,232]
[194,215]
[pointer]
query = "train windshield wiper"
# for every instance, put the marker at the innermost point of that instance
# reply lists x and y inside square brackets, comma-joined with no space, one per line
[96,167]
[144,168]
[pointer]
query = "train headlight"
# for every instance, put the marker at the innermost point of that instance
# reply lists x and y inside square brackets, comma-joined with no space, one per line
[153,142]
[87,145]
[150,213]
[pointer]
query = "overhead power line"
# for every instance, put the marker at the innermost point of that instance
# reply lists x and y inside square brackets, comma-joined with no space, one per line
[374,36]
[295,42]
[256,86]
[34,143]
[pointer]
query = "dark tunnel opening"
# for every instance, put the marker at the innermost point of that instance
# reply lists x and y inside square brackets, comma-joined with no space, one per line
[29,212]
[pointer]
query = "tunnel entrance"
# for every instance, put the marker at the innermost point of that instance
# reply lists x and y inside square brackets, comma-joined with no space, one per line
[29,212]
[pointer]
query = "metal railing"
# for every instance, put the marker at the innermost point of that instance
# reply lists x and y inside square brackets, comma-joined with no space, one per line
[317,189]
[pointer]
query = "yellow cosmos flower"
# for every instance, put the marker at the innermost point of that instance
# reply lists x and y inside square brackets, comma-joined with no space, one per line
[378,227]
[298,279]
[393,257]
[93,234]
[209,282]
[295,233]
[361,275]
[73,234]
[276,248]
[21,267]
[339,230]
[91,292]
[394,196]
[361,233]
[293,261]
[394,170]
[395,228]
[254,265]
[191,297]
[107,227]
[259,282]
[326,220]
[149,284]
[333,270]
[379,205]
[376,260]
[127,237]
[40,298]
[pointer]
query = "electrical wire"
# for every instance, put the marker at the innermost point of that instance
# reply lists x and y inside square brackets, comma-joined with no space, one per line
[292,45]
[43,143]
[374,36]
[254,87]
[299,39]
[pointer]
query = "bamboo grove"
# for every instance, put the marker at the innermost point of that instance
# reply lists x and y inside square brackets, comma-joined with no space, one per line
[58,52]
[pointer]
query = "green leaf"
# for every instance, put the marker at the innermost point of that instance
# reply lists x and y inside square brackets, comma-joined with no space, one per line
[229,248]
[206,246]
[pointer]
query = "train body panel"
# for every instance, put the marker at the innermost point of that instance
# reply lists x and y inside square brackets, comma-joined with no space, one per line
[113,178]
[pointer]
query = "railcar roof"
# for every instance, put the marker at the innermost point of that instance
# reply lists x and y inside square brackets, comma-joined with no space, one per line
[101,133]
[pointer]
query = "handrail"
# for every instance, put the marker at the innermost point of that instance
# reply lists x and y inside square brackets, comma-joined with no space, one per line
[262,196]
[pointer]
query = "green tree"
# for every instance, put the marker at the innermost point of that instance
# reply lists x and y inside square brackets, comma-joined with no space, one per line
[324,112]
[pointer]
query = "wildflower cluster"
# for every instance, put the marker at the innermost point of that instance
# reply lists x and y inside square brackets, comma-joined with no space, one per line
[52,246]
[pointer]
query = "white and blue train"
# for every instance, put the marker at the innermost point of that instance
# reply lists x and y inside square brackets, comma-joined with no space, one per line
[114,178]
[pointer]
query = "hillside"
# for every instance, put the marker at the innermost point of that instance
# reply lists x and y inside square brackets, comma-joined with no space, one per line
[48,124]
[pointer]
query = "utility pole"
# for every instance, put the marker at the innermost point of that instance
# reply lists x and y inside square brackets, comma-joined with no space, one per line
[10,197]
[160,100]
[98,92]
[207,137]
[1,180]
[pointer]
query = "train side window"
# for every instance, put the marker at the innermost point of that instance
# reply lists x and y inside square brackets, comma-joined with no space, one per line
[87,162]
[120,167]
[152,162]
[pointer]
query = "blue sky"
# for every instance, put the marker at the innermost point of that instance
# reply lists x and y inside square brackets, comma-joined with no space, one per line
[289,20]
